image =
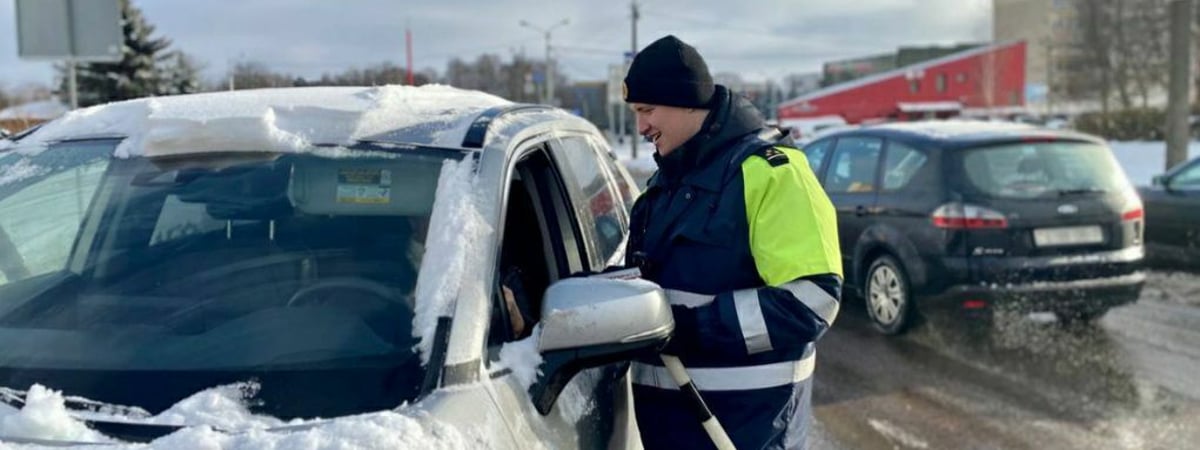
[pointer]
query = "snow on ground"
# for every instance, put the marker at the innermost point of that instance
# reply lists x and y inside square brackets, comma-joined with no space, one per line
[1181,288]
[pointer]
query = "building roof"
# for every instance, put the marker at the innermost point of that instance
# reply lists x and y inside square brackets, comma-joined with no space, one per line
[900,71]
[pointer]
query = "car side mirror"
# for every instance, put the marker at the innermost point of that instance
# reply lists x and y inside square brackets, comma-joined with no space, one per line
[1159,180]
[591,322]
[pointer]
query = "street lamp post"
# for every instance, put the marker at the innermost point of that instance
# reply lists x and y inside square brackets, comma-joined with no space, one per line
[549,92]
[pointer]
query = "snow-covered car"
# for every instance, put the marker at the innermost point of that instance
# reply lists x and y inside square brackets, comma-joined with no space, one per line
[385,266]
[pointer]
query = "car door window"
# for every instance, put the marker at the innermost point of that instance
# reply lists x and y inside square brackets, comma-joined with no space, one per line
[852,169]
[900,165]
[61,193]
[539,245]
[815,153]
[1188,178]
[594,200]
[626,187]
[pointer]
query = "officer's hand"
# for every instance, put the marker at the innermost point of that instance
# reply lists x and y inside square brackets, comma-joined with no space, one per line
[684,336]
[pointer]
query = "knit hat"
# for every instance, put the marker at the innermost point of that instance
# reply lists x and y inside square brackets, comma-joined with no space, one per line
[669,72]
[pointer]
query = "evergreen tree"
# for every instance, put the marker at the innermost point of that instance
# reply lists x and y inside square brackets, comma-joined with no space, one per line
[136,75]
[181,76]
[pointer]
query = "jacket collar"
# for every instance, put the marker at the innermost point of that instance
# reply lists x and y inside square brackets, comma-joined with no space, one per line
[695,162]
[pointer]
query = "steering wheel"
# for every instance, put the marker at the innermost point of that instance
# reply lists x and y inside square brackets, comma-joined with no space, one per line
[378,290]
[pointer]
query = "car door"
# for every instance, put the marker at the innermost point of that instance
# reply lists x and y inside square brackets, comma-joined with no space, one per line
[545,211]
[603,223]
[1173,213]
[851,180]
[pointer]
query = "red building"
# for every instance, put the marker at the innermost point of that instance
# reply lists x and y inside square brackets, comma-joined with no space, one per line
[988,78]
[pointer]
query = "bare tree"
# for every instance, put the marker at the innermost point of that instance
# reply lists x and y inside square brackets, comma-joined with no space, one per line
[1118,52]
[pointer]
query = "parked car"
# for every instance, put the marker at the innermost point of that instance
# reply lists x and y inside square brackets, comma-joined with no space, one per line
[1173,216]
[340,247]
[975,216]
[801,129]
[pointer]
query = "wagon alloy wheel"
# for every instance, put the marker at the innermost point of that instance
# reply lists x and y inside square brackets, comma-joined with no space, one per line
[888,301]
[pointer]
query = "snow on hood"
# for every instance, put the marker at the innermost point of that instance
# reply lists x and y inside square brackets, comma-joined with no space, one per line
[368,431]
[455,228]
[45,417]
[282,120]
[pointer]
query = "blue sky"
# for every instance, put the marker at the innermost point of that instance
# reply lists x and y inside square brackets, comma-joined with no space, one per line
[755,38]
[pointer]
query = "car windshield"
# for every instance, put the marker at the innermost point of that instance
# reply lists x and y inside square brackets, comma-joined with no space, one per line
[1043,170]
[141,281]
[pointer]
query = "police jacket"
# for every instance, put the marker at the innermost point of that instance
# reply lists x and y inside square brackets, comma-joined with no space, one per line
[736,229]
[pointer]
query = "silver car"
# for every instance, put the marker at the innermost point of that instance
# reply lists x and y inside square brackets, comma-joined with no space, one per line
[341,251]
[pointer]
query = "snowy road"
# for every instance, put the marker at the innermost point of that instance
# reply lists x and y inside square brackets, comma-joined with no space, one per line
[1128,382]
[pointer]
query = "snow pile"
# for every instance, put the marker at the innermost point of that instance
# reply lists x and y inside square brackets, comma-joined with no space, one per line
[45,416]
[223,407]
[523,359]
[455,228]
[278,120]
[219,420]
[368,431]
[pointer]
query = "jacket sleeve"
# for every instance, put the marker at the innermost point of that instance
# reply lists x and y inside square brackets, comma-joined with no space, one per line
[793,238]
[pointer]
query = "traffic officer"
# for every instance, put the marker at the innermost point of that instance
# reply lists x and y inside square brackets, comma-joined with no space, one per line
[736,229]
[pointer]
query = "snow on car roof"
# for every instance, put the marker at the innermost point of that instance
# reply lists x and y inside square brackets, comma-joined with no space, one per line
[955,128]
[284,119]
[976,131]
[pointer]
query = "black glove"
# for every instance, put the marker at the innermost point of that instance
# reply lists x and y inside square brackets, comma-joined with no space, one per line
[685,336]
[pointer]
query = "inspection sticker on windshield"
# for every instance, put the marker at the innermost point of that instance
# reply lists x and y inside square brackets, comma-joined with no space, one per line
[364,186]
[1052,237]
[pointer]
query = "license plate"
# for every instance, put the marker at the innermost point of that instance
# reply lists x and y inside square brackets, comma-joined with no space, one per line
[1057,237]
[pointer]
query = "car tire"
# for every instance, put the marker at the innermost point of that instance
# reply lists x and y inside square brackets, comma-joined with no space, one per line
[888,296]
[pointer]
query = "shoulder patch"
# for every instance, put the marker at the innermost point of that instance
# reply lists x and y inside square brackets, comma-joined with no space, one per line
[774,156]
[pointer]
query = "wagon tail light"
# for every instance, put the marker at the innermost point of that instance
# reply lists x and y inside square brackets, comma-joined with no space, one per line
[960,216]
[1134,213]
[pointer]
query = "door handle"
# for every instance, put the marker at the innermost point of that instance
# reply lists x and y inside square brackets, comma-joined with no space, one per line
[861,210]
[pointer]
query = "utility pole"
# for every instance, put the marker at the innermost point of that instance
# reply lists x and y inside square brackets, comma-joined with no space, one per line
[633,49]
[1179,87]
[408,53]
[549,95]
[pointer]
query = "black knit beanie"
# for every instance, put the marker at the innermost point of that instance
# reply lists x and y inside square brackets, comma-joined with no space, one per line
[669,72]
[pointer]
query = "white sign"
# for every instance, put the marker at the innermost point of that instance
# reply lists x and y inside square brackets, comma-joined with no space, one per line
[82,30]
[616,83]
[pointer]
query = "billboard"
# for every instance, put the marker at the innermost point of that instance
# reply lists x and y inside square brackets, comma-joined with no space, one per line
[80,30]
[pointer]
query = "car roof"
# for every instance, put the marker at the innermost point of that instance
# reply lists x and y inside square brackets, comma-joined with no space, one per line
[291,119]
[958,134]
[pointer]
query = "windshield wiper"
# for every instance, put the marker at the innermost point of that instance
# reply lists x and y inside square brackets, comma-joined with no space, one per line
[1079,191]
[127,423]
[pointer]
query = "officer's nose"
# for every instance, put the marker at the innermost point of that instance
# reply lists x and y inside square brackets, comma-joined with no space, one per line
[643,126]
